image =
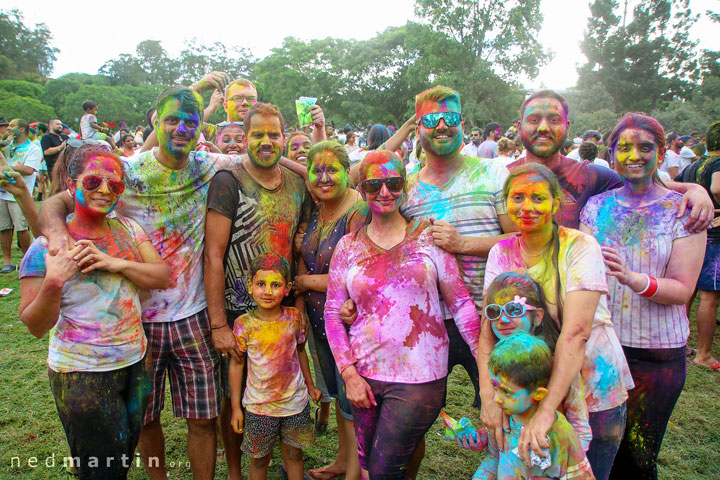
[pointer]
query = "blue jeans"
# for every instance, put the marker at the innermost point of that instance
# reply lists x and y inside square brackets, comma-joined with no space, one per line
[608,428]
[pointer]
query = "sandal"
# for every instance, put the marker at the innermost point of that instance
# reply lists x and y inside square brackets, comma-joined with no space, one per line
[320,427]
[714,367]
[312,474]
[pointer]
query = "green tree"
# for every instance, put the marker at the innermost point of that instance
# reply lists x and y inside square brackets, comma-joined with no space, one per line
[22,88]
[24,51]
[645,59]
[57,90]
[303,69]
[197,60]
[124,70]
[153,59]
[27,108]
[480,48]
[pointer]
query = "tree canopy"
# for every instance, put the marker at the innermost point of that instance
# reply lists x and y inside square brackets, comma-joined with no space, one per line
[640,57]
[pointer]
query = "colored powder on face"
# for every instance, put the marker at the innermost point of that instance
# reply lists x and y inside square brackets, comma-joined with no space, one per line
[436,139]
[530,202]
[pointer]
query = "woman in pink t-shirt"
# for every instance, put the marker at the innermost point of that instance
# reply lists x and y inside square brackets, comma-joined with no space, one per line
[653,265]
[394,357]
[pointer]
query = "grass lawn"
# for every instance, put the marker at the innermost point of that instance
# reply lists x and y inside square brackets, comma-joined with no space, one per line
[31,434]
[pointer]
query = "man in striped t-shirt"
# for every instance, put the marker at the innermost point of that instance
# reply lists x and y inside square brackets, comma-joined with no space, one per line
[462,196]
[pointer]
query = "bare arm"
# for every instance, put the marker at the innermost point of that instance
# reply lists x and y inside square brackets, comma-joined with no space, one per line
[150,142]
[715,186]
[318,119]
[294,167]
[40,304]
[316,283]
[216,99]
[683,270]
[52,219]
[217,235]
[448,238]
[151,273]
[696,197]
[54,150]
[235,376]
[40,296]
[396,141]
[23,169]
[313,391]
[14,184]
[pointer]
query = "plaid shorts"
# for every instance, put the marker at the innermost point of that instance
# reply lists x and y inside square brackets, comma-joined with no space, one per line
[185,348]
[262,432]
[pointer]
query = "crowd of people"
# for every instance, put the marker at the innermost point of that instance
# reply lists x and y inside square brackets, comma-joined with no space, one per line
[558,273]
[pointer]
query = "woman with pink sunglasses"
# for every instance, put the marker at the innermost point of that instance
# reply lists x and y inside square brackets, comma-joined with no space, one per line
[89,291]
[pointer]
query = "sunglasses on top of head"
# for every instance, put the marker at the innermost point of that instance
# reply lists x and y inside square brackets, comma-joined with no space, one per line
[373,186]
[91,183]
[225,124]
[431,120]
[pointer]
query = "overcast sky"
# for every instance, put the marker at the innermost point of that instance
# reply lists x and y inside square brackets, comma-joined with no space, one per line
[89,33]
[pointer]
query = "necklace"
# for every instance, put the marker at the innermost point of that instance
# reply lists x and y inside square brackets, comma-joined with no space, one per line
[340,203]
[532,255]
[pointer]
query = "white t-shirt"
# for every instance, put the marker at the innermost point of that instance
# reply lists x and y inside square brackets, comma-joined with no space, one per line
[26,154]
[86,129]
[600,161]
[471,150]
[574,154]
[357,156]
[672,159]
[99,328]
[170,206]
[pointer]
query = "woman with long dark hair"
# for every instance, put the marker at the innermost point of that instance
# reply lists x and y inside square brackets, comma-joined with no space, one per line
[569,266]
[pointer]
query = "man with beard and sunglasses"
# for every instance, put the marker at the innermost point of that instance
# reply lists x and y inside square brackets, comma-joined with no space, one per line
[544,127]
[462,197]
[166,193]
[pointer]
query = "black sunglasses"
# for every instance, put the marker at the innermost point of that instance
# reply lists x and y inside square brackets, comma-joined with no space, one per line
[373,186]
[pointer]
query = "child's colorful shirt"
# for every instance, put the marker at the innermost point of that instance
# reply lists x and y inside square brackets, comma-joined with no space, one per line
[275,384]
[567,457]
[86,129]
[99,328]
[400,333]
